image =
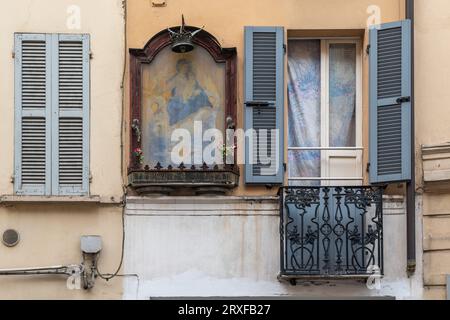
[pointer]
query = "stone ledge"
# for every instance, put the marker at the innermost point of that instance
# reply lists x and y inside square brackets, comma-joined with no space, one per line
[436,167]
[394,205]
[19,199]
[202,206]
[199,199]
[226,205]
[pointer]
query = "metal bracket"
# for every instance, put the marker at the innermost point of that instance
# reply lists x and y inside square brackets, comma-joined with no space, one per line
[411,267]
[368,49]
[230,123]
[403,100]
[159,4]
[257,103]
[136,127]
[448,287]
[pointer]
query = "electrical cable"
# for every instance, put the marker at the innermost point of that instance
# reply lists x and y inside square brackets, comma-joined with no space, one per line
[109,276]
[122,86]
[65,269]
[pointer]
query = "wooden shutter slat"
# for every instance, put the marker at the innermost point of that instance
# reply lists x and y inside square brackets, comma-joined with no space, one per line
[33,114]
[264,82]
[70,142]
[390,121]
[52,113]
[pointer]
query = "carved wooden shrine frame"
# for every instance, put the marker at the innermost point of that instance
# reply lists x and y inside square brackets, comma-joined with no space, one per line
[138,57]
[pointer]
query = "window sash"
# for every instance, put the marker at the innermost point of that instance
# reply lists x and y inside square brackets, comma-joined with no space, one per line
[325,150]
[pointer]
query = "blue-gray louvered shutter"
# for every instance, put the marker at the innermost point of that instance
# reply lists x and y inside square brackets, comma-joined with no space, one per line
[32,163]
[264,105]
[390,102]
[70,109]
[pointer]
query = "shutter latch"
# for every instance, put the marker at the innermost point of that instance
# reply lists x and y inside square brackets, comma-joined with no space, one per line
[403,99]
[257,103]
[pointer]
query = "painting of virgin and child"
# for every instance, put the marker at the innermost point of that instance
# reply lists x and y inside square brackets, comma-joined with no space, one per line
[179,89]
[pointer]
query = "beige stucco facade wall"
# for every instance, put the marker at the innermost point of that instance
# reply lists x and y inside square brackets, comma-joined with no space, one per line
[432,127]
[50,233]
[226,20]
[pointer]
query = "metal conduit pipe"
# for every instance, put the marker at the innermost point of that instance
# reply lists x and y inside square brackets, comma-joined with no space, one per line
[411,186]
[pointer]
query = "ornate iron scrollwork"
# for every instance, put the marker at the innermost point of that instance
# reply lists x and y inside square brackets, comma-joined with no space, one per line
[331,231]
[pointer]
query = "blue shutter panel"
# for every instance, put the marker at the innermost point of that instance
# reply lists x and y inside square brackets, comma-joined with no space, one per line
[70,107]
[264,105]
[390,106]
[32,114]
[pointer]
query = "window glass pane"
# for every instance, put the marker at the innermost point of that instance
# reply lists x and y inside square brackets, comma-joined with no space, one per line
[304,106]
[304,183]
[304,93]
[342,95]
[303,164]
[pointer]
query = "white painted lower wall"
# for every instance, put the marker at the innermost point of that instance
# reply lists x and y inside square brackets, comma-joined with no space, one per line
[230,246]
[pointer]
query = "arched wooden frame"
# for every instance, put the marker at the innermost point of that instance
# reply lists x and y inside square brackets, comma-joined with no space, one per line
[146,56]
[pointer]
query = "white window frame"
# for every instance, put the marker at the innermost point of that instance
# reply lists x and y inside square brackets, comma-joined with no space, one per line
[326,151]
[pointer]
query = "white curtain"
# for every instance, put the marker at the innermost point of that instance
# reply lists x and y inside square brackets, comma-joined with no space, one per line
[304,108]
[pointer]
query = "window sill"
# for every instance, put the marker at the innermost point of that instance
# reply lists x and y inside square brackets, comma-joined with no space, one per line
[14,199]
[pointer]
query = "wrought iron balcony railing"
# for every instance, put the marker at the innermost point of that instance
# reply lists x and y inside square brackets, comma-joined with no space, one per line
[331,231]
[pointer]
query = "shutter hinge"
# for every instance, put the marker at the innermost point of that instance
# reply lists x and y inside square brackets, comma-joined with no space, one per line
[13,178]
[284,48]
[91,55]
[90,177]
[368,167]
[284,167]
[13,54]
[368,49]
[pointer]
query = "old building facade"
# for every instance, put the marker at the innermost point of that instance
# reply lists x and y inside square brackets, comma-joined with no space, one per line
[50,214]
[229,245]
[318,194]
